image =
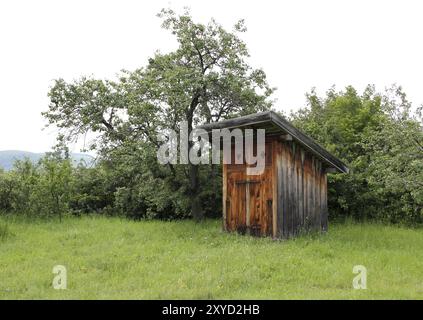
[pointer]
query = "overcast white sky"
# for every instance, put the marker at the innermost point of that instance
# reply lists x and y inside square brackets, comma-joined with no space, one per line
[299,44]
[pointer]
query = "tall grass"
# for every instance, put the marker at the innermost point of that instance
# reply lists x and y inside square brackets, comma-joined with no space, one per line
[113,258]
[4,231]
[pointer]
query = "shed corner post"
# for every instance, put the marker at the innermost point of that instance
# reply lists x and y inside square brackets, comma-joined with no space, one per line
[324,202]
[275,151]
[224,196]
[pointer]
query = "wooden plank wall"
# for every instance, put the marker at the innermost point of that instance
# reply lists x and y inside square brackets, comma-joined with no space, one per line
[301,191]
[290,198]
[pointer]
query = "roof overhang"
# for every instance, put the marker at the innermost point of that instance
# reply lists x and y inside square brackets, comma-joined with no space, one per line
[274,123]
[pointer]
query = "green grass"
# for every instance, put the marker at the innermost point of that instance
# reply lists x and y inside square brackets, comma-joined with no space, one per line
[112,258]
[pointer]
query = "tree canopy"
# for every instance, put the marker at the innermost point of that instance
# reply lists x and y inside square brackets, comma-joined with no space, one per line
[207,78]
[380,136]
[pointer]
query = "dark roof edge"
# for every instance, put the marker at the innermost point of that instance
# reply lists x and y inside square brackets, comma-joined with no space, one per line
[308,142]
[271,116]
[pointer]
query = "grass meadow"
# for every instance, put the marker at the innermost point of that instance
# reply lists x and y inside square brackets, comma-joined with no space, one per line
[113,258]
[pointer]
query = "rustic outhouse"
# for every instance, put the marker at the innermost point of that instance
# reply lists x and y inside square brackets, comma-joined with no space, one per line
[290,195]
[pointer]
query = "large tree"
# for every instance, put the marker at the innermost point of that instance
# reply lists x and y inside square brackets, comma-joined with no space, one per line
[207,78]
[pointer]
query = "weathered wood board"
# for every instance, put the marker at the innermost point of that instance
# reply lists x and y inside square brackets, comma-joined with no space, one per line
[289,197]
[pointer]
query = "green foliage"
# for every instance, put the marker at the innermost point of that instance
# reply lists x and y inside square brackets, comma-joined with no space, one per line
[52,187]
[380,138]
[92,190]
[206,79]
[41,189]
[7,186]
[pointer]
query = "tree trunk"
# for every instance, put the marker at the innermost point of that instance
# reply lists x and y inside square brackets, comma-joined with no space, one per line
[196,205]
[194,192]
[213,180]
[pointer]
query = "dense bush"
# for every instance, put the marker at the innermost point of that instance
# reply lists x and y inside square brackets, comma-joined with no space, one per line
[92,190]
[43,189]
[7,186]
[380,137]
[118,185]
[207,78]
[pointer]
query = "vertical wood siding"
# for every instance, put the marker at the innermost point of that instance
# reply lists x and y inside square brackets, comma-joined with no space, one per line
[288,198]
[302,191]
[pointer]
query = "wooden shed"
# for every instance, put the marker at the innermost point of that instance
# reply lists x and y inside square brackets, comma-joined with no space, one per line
[290,196]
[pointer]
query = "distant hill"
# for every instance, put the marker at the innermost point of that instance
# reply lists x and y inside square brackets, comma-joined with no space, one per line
[8,157]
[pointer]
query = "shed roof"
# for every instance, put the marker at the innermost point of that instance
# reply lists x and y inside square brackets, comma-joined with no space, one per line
[274,123]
